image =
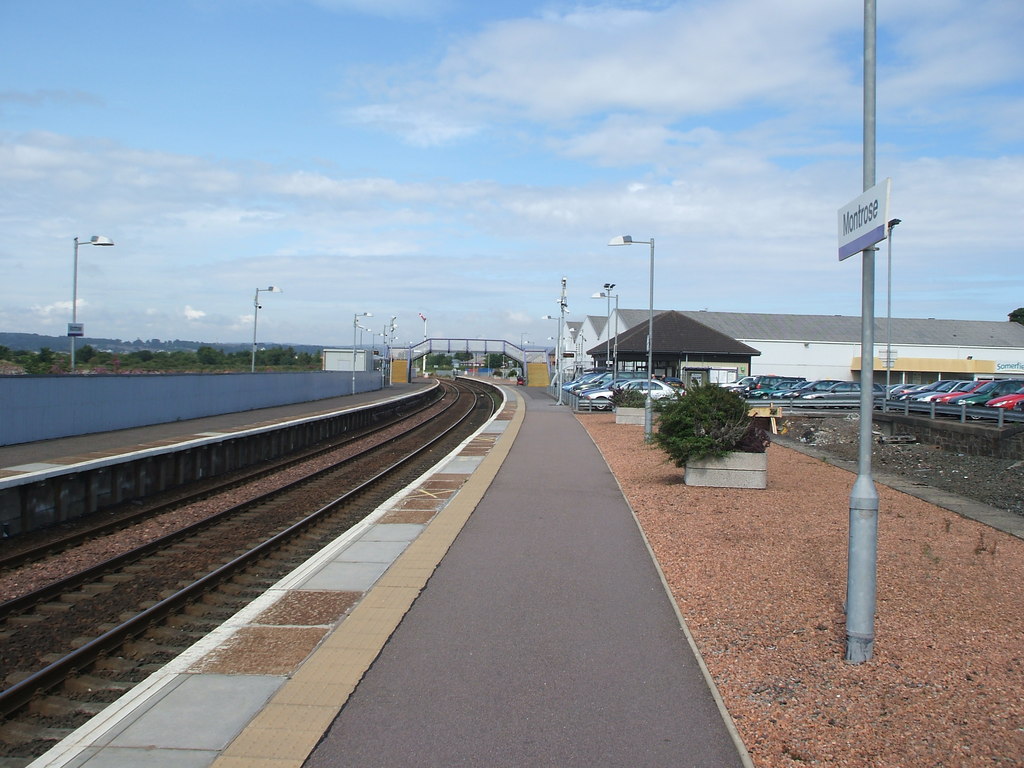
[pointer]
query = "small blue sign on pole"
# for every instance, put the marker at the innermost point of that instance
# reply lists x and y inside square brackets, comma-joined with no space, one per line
[862,222]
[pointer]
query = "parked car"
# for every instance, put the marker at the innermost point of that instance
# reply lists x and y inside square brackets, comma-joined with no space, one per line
[843,390]
[896,390]
[924,390]
[818,385]
[960,392]
[739,383]
[1009,401]
[598,395]
[757,383]
[927,395]
[586,377]
[992,389]
[774,392]
[605,380]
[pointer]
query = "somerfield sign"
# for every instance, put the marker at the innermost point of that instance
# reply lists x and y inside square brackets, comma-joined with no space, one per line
[862,222]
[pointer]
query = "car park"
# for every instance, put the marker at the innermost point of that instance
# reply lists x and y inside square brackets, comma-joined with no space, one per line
[1010,401]
[806,387]
[774,392]
[928,390]
[601,397]
[842,390]
[942,388]
[605,380]
[988,391]
[757,383]
[957,392]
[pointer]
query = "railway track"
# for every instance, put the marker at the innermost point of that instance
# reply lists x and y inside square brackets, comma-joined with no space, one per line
[35,546]
[72,647]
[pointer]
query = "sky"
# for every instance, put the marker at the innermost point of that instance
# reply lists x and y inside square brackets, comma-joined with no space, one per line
[454,159]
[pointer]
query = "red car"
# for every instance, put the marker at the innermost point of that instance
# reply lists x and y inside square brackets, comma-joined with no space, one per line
[958,393]
[1007,401]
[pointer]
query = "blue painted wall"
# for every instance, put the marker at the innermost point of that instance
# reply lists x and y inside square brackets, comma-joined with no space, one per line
[43,407]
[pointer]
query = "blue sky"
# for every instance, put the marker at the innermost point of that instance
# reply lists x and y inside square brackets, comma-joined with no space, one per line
[457,159]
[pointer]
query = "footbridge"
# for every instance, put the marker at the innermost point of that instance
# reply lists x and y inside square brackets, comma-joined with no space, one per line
[535,361]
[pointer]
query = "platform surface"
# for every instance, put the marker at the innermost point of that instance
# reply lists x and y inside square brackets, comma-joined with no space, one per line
[504,610]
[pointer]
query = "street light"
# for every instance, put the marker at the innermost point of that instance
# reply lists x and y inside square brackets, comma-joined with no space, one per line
[648,416]
[607,294]
[74,329]
[355,327]
[558,354]
[888,318]
[255,315]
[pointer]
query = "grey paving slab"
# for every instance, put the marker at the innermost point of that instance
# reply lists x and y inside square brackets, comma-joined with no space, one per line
[364,551]
[463,465]
[112,757]
[202,712]
[346,576]
[393,532]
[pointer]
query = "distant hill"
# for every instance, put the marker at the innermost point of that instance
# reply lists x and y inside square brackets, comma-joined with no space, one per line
[33,342]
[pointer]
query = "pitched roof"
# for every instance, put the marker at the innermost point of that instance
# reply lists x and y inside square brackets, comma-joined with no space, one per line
[844,328]
[677,334]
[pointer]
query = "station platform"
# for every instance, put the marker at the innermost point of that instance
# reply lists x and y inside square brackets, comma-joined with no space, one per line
[503,610]
[25,458]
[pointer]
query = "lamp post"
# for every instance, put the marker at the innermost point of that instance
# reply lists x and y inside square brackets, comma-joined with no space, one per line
[888,305]
[355,327]
[648,416]
[255,315]
[558,355]
[607,294]
[74,329]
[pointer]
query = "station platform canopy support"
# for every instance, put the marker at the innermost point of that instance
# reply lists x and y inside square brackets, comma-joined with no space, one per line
[534,361]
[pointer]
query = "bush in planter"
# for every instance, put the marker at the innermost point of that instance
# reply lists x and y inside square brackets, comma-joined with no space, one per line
[708,421]
[628,398]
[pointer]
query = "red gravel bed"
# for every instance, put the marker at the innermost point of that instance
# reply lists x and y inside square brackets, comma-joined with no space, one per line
[760,577]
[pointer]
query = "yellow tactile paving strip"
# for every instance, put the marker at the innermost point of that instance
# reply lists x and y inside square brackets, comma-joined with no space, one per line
[284,733]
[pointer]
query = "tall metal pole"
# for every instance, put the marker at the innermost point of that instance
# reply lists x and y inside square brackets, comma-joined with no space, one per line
[255,316]
[888,311]
[863,544]
[74,306]
[560,359]
[648,403]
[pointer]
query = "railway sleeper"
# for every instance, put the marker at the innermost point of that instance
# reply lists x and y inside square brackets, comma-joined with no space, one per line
[62,706]
[20,731]
[94,685]
[146,648]
[174,635]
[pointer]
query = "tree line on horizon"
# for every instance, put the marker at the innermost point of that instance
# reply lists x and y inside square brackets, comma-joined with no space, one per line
[205,359]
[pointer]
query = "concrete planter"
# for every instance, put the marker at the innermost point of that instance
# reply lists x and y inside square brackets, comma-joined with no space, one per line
[735,470]
[629,416]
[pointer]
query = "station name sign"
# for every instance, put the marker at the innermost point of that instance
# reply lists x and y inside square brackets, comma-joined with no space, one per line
[862,222]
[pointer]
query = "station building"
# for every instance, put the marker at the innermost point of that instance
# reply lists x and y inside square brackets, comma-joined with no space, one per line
[723,346]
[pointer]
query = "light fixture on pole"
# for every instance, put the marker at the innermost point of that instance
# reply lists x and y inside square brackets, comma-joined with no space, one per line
[888,314]
[648,408]
[255,314]
[356,327]
[74,329]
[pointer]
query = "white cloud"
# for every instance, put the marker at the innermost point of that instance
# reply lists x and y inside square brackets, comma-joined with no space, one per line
[193,314]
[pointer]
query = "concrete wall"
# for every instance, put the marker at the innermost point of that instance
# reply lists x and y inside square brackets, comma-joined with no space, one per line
[972,439]
[44,407]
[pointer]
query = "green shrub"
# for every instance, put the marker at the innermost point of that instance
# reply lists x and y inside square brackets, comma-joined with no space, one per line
[708,421]
[628,398]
